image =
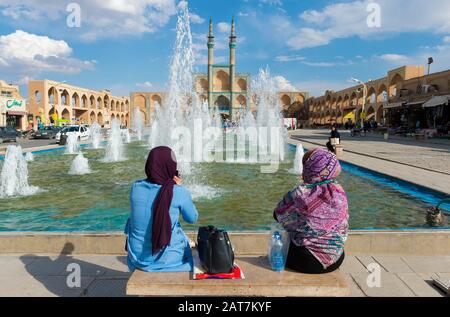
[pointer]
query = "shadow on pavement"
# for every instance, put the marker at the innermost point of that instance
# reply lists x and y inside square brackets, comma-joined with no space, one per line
[65,275]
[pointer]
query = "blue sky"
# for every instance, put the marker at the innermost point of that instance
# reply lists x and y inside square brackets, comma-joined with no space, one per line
[310,45]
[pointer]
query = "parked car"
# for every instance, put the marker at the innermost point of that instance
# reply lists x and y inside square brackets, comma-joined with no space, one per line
[124,130]
[8,134]
[81,131]
[46,133]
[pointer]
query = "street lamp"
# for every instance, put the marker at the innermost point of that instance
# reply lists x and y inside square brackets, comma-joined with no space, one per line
[364,96]
[430,61]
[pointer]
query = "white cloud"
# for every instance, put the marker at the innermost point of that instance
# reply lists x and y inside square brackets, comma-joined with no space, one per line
[440,54]
[202,58]
[282,84]
[320,64]
[25,53]
[223,27]
[317,87]
[243,14]
[394,58]
[99,18]
[289,58]
[271,2]
[344,20]
[146,84]
[308,37]
[195,18]
[446,40]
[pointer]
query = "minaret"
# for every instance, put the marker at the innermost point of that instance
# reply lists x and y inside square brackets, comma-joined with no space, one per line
[210,62]
[232,64]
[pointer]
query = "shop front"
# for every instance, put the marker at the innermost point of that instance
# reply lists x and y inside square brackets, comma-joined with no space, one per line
[13,113]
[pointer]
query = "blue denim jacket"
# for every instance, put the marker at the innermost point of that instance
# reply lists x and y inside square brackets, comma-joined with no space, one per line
[176,257]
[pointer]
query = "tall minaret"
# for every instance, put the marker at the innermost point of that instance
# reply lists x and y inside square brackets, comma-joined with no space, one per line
[210,62]
[232,63]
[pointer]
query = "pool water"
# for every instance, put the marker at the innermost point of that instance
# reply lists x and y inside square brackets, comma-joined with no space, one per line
[231,196]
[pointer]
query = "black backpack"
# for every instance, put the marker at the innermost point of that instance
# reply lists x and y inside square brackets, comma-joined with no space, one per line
[215,250]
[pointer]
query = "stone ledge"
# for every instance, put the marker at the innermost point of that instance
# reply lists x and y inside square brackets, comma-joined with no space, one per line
[419,243]
[259,280]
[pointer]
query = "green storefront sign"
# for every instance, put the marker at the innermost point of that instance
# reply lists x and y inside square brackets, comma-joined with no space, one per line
[13,103]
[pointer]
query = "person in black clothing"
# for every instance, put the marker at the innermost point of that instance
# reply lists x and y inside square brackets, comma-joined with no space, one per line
[333,134]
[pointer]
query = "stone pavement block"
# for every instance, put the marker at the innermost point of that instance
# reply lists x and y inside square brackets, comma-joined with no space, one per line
[367,259]
[393,264]
[13,265]
[391,285]
[45,286]
[418,285]
[422,264]
[352,265]
[107,287]
[21,285]
[47,266]
[111,266]
[444,276]
[57,266]
[260,280]
[355,291]
[57,285]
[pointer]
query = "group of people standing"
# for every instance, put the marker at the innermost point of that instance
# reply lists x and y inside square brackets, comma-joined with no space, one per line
[315,213]
[367,125]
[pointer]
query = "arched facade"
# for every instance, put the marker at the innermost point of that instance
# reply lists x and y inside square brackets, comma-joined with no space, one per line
[70,104]
[351,102]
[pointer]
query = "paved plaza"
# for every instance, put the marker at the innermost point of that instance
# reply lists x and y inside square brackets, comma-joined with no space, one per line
[422,162]
[30,145]
[401,275]
[107,275]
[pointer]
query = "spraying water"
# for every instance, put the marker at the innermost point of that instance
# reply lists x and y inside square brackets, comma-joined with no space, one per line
[29,157]
[127,136]
[80,165]
[95,135]
[182,118]
[14,175]
[298,160]
[114,148]
[72,146]
[184,121]
[269,117]
[137,123]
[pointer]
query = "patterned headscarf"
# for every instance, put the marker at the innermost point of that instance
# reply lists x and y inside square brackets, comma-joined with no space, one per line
[319,166]
[318,209]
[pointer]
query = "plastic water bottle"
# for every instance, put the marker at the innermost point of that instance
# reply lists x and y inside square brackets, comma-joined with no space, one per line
[277,253]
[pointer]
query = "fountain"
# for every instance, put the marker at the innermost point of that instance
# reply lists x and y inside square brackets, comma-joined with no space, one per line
[137,123]
[114,148]
[80,165]
[127,136]
[29,157]
[298,160]
[269,118]
[232,196]
[14,175]
[95,135]
[72,146]
[185,123]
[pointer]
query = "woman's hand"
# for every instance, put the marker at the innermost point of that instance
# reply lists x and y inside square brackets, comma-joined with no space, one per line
[178,180]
